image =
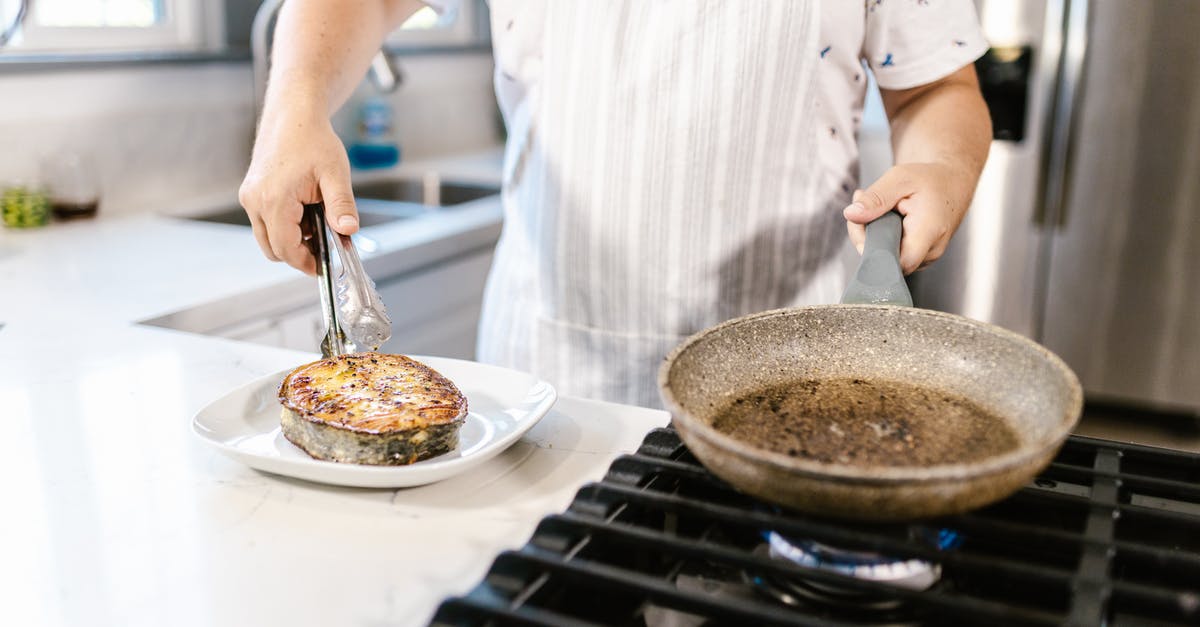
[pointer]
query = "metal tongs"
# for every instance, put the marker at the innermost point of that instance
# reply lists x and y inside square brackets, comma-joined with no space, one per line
[355,318]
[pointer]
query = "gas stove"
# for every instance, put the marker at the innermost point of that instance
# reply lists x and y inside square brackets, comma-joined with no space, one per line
[1109,534]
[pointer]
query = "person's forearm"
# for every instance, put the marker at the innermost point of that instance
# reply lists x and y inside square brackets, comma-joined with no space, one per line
[941,133]
[322,48]
[945,122]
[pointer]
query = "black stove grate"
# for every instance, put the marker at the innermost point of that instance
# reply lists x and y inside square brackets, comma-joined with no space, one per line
[1109,534]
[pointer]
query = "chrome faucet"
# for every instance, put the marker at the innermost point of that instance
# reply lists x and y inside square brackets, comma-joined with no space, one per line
[383,73]
[7,34]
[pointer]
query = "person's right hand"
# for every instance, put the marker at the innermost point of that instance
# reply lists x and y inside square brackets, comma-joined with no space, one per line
[297,159]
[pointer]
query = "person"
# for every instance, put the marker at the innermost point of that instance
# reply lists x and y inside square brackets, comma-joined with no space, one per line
[669,165]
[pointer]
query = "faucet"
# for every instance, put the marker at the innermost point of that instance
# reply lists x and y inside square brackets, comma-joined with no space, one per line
[383,74]
[7,34]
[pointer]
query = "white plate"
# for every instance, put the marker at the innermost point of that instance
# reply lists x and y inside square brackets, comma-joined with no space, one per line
[503,404]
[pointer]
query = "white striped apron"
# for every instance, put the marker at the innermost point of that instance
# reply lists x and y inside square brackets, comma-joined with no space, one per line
[660,177]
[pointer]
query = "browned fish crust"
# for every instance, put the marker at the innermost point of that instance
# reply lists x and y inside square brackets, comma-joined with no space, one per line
[371,408]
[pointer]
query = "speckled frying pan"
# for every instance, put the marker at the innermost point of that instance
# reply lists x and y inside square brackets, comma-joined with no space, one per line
[870,409]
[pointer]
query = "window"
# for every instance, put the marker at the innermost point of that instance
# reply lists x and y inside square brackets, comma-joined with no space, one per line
[130,13]
[55,30]
[115,25]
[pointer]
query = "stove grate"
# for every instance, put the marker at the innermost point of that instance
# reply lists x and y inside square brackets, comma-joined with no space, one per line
[1108,534]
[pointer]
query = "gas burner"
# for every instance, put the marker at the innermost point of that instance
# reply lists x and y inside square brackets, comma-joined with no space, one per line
[913,574]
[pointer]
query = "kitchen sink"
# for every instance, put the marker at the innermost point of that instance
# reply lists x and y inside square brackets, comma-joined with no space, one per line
[430,191]
[382,202]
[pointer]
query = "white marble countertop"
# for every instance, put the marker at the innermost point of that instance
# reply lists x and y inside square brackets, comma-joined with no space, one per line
[115,514]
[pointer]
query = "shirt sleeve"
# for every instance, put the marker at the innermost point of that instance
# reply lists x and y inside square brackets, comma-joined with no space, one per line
[915,42]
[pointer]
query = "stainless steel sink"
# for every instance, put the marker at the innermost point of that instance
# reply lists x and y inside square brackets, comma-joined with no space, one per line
[382,202]
[431,191]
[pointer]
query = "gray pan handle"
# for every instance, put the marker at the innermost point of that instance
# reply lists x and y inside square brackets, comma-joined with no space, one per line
[879,279]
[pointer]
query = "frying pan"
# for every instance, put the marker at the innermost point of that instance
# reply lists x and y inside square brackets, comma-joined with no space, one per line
[875,335]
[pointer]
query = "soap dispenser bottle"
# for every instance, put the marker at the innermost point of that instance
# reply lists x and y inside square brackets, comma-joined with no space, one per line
[375,146]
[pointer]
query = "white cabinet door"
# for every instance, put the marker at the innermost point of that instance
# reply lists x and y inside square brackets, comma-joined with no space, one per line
[436,312]
[302,330]
[258,331]
[452,335]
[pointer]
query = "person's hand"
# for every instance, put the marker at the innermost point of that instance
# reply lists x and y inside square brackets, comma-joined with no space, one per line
[932,197]
[298,159]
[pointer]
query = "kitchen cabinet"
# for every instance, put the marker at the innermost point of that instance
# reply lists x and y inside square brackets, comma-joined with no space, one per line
[262,331]
[296,330]
[436,312]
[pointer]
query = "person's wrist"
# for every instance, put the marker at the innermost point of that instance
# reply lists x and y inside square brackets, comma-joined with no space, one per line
[293,103]
[301,113]
[964,171]
[278,126]
[951,176]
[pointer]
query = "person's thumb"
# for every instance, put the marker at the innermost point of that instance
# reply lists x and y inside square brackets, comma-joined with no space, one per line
[340,211]
[882,196]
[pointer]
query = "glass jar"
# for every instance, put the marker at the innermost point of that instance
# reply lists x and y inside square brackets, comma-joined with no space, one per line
[73,185]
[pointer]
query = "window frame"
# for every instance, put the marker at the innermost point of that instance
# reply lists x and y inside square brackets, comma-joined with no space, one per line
[188,27]
[225,28]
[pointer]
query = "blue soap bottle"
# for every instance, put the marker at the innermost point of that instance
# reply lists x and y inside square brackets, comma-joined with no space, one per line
[375,146]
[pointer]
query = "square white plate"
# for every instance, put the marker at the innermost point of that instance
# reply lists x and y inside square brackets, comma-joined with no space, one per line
[502,405]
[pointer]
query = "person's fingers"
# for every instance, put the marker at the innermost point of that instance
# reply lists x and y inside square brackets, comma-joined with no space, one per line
[919,239]
[858,235]
[883,195]
[336,193]
[933,255]
[260,236]
[252,205]
[308,265]
[283,231]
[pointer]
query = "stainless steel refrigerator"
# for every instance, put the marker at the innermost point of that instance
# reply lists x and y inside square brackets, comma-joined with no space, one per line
[1085,229]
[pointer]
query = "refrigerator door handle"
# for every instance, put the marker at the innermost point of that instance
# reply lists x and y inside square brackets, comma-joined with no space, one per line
[1057,170]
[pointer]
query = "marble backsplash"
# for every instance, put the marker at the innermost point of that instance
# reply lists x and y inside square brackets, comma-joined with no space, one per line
[158,135]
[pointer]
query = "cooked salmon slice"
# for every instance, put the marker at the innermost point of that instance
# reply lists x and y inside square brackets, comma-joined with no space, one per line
[371,408]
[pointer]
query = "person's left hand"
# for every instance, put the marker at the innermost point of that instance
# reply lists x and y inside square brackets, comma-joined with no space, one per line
[932,197]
